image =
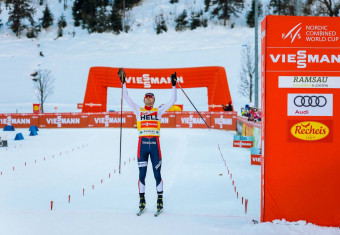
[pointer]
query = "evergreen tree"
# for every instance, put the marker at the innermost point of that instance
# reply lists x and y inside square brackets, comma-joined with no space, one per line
[282,7]
[77,12]
[61,25]
[128,3]
[62,21]
[181,22]
[226,8]
[322,7]
[195,20]
[41,2]
[89,13]
[47,19]
[33,31]
[115,20]
[173,1]
[20,10]
[160,24]
[207,4]
[251,14]
[102,21]
[0,19]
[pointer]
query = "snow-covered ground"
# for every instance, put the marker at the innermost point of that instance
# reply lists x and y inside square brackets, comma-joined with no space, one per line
[199,197]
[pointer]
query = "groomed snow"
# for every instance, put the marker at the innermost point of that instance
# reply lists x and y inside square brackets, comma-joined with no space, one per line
[199,197]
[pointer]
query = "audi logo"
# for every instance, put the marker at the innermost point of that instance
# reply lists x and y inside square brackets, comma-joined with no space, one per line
[310,101]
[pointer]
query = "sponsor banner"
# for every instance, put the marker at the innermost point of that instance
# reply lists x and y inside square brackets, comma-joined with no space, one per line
[176,108]
[303,32]
[310,131]
[168,120]
[80,106]
[18,120]
[111,120]
[310,104]
[309,82]
[212,78]
[255,156]
[299,55]
[192,120]
[242,144]
[36,108]
[223,121]
[310,59]
[151,124]
[255,160]
[62,121]
[243,141]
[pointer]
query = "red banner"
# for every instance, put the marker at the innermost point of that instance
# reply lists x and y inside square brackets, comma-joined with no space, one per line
[18,120]
[217,120]
[62,121]
[111,120]
[223,120]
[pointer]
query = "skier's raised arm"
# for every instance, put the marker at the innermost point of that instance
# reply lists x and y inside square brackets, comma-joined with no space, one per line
[132,104]
[173,100]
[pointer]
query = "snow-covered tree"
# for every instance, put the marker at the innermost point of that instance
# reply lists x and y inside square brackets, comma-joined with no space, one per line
[21,12]
[47,19]
[322,7]
[224,9]
[181,21]
[115,20]
[247,73]
[160,24]
[43,83]
[251,13]
[282,7]
[61,25]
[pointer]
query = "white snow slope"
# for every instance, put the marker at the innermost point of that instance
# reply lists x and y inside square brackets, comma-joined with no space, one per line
[199,197]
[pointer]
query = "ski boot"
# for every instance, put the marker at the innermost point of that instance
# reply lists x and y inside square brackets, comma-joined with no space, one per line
[142,204]
[159,205]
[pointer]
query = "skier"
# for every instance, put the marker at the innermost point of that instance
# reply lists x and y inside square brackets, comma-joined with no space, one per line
[148,125]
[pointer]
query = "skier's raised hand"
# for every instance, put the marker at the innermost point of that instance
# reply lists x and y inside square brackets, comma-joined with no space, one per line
[174,79]
[121,75]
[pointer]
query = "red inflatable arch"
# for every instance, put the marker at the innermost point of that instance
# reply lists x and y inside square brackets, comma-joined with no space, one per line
[100,78]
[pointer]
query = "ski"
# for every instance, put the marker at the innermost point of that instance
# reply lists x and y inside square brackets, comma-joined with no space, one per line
[158,212]
[140,212]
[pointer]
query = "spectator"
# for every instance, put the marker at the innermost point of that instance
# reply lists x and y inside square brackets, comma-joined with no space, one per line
[228,107]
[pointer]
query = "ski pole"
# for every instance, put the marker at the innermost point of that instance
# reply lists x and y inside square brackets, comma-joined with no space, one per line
[121,74]
[193,106]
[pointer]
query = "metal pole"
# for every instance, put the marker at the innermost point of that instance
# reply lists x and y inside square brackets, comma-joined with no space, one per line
[193,106]
[256,56]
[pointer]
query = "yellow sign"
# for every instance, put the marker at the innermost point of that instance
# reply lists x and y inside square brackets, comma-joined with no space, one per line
[176,108]
[309,130]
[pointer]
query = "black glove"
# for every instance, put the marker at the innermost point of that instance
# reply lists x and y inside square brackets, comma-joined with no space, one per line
[121,75]
[173,79]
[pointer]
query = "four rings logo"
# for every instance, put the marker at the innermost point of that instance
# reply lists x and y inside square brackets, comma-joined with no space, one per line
[310,105]
[293,33]
[310,101]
